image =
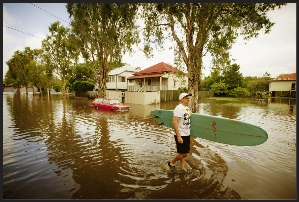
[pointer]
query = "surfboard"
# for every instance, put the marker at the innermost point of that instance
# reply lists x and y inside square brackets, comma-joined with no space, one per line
[217,129]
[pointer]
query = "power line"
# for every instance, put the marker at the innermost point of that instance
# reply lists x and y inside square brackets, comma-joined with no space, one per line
[50,13]
[31,34]
[21,31]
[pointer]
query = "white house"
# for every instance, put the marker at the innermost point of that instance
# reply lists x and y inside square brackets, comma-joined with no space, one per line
[157,77]
[283,86]
[118,77]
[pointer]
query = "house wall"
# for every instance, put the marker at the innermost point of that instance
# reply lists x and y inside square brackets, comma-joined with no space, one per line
[114,94]
[179,81]
[143,98]
[280,85]
[118,85]
[166,80]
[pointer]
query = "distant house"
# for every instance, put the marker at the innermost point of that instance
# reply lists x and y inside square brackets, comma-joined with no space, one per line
[157,77]
[117,78]
[283,86]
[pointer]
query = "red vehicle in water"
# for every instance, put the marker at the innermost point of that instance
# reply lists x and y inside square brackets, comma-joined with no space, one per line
[109,104]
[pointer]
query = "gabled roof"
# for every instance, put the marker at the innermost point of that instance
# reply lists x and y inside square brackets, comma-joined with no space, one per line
[156,70]
[291,77]
[122,69]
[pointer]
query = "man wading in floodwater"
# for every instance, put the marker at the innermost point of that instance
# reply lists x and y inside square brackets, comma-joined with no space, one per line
[181,125]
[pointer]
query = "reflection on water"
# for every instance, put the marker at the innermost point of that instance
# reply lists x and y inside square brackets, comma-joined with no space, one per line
[64,149]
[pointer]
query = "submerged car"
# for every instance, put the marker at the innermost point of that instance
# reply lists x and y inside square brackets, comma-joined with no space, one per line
[109,104]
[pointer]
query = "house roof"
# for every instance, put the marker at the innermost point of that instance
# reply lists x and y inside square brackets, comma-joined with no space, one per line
[291,77]
[145,76]
[122,69]
[156,70]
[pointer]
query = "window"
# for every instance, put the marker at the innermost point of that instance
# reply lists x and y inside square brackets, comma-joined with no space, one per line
[111,78]
[149,82]
[121,79]
[106,101]
[114,102]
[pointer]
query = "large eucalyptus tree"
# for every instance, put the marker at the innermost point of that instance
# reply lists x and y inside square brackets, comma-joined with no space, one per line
[59,52]
[199,28]
[105,31]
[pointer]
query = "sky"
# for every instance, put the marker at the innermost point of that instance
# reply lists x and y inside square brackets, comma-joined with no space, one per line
[27,24]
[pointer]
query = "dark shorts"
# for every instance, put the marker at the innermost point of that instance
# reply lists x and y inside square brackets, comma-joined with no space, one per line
[183,148]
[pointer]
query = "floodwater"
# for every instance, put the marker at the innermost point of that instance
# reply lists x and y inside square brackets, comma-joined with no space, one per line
[63,149]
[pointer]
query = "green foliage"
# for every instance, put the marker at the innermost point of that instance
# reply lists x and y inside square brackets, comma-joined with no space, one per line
[57,87]
[59,51]
[232,77]
[198,28]
[255,84]
[106,36]
[215,77]
[182,89]
[81,72]
[19,66]
[219,88]
[83,86]
[239,92]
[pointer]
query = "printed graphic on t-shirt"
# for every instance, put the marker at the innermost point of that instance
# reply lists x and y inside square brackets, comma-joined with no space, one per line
[186,121]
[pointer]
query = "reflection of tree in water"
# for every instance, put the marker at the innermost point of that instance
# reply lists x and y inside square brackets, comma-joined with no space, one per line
[222,108]
[26,112]
[98,173]
[95,162]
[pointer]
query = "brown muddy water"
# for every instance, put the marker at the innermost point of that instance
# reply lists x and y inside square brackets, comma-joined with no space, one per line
[63,149]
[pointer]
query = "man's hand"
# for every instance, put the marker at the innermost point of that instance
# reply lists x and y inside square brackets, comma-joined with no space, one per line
[180,139]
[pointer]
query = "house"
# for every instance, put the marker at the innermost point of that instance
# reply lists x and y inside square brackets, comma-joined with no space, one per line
[283,86]
[157,77]
[117,78]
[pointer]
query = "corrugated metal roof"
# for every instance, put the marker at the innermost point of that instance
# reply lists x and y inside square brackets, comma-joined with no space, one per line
[160,67]
[154,71]
[291,77]
[121,70]
[145,76]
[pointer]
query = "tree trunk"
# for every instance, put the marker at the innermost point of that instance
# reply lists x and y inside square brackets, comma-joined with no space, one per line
[193,82]
[33,90]
[102,80]
[194,72]
[63,87]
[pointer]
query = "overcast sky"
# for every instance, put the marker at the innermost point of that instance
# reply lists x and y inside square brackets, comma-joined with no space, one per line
[26,24]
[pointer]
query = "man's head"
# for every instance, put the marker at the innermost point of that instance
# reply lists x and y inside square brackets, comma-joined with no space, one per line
[184,98]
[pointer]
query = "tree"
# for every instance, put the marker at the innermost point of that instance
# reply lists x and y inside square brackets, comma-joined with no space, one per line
[257,84]
[81,72]
[198,28]
[105,31]
[215,77]
[219,88]
[19,67]
[59,51]
[232,77]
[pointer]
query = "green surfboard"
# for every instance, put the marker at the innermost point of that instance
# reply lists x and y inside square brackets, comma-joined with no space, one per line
[217,129]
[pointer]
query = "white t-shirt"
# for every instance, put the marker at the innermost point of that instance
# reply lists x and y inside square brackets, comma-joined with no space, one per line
[184,122]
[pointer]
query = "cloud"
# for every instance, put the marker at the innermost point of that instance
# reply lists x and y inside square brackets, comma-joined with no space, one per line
[34,42]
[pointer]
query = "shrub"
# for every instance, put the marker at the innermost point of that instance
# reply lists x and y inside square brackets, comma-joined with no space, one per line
[182,89]
[57,87]
[239,92]
[83,86]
